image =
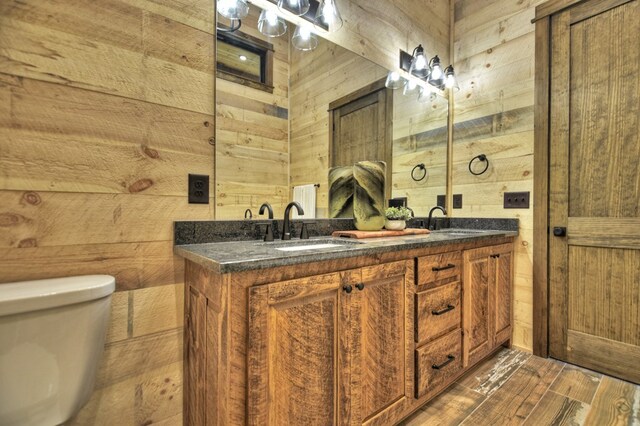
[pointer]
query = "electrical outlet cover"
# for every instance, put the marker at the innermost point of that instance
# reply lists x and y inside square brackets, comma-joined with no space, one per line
[198,189]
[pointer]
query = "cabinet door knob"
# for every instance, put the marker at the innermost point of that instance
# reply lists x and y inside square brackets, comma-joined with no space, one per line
[360,286]
[495,256]
[347,288]
[559,231]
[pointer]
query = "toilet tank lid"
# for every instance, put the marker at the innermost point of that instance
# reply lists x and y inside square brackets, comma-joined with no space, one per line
[26,296]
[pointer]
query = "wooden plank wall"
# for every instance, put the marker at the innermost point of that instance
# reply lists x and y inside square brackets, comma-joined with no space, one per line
[419,136]
[252,156]
[494,60]
[318,78]
[105,107]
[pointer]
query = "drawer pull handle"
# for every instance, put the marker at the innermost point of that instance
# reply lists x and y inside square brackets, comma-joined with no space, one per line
[360,286]
[495,256]
[347,288]
[443,311]
[449,360]
[443,268]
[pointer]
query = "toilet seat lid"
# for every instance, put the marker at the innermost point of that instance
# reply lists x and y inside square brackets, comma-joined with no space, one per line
[26,296]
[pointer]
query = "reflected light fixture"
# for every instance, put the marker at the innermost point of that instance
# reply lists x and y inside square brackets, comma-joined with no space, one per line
[450,80]
[427,95]
[419,64]
[304,39]
[297,7]
[328,16]
[234,10]
[395,81]
[270,24]
[242,58]
[412,88]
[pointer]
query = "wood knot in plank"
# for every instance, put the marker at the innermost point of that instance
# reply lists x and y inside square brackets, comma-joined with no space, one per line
[31,198]
[140,185]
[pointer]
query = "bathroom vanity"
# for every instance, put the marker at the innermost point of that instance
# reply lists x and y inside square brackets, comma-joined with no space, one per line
[360,332]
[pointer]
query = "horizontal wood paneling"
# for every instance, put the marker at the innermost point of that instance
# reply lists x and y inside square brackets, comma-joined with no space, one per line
[494,62]
[105,108]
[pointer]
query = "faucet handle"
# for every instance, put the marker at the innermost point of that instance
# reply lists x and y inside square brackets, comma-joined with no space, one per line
[304,232]
[268,233]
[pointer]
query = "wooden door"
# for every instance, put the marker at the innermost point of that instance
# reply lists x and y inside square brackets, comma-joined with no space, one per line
[502,269]
[594,178]
[362,128]
[293,352]
[478,297]
[380,343]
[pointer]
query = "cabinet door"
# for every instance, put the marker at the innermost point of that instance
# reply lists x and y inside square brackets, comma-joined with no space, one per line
[478,297]
[294,330]
[502,259]
[380,342]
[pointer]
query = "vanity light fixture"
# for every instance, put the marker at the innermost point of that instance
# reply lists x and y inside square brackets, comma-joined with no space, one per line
[430,71]
[297,7]
[304,39]
[270,24]
[395,81]
[419,63]
[450,80]
[426,96]
[328,16]
[234,10]
[436,76]
[412,88]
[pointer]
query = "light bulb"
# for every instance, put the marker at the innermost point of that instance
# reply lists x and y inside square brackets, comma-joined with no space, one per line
[421,62]
[270,24]
[412,87]
[233,9]
[304,33]
[436,72]
[304,39]
[328,16]
[395,81]
[297,7]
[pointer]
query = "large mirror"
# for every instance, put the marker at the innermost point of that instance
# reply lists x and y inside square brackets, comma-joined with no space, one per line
[285,116]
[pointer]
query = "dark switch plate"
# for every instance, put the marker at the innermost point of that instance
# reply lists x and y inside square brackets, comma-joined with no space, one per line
[457,201]
[516,200]
[198,189]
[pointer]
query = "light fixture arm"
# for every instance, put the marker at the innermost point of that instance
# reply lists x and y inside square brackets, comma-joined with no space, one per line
[235,26]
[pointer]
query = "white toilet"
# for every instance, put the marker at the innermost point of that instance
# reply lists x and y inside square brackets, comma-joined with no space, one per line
[51,339]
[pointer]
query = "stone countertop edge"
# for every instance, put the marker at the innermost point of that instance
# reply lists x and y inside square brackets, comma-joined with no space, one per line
[229,257]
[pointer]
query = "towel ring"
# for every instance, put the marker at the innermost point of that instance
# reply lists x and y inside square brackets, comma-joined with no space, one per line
[422,167]
[480,157]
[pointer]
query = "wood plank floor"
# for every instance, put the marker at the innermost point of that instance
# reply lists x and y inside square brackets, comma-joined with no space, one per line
[517,388]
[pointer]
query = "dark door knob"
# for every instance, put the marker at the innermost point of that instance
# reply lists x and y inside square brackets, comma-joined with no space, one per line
[560,231]
[347,288]
[360,286]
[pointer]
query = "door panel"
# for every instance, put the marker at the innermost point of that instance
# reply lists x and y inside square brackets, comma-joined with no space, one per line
[504,271]
[478,271]
[362,131]
[594,276]
[293,352]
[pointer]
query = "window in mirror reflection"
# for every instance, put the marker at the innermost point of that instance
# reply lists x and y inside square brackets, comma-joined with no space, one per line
[244,60]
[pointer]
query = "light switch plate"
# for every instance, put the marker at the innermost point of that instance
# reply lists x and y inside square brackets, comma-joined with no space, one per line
[516,200]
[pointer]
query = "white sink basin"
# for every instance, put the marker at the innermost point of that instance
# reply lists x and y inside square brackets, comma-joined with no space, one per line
[310,247]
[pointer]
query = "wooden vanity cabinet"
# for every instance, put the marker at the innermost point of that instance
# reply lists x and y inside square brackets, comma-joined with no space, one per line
[318,344]
[330,349]
[487,300]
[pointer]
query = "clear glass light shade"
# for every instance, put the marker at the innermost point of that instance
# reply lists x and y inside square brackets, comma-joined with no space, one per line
[297,7]
[426,96]
[233,9]
[395,81]
[328,16]
[436,77]
[419,64]
[304,39]
[271,25]
[450,80]
[412,88]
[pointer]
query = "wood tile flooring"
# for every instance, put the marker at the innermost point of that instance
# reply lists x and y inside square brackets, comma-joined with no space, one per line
[517,388]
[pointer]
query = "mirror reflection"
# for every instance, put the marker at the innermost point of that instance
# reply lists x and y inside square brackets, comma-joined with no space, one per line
[291,107]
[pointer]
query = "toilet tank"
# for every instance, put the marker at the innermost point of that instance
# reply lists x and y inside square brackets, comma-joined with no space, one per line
[52,336]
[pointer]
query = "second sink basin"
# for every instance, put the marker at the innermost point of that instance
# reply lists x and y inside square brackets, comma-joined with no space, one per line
[311,244]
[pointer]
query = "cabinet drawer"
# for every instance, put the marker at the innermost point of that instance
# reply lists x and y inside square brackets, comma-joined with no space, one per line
[437,311]
[438,362]
[439,266]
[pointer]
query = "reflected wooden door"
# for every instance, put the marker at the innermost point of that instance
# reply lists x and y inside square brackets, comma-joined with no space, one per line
[594,197]
[361,128]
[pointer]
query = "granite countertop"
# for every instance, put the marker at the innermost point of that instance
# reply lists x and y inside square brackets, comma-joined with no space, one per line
[226,257]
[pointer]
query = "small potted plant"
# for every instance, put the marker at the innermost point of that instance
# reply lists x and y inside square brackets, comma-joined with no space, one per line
[396,218]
